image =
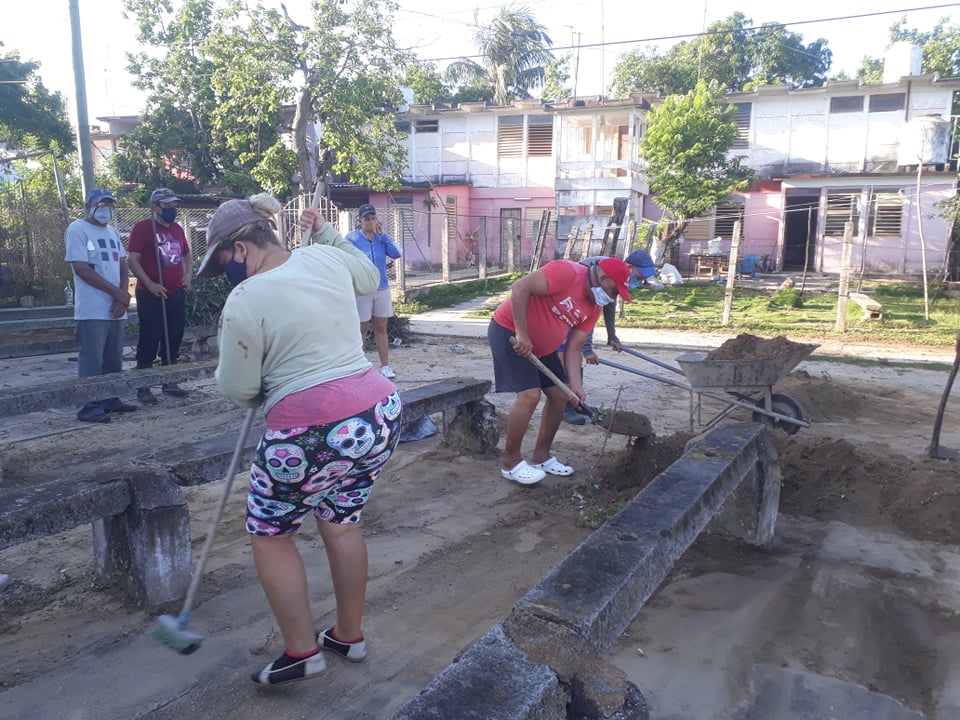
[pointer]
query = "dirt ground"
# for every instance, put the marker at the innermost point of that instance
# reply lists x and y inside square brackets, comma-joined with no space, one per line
[453,546]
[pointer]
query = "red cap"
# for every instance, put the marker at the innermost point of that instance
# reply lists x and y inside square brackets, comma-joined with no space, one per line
[618,271]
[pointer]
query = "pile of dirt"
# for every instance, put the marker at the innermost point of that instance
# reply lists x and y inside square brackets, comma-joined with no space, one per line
[867,485]
[821,398]
[745,346]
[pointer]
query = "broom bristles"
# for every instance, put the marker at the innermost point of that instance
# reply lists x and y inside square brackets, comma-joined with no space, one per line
[174,634]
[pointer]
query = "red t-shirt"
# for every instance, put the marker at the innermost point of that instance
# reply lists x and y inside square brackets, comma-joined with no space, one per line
[173,248]
[550,317]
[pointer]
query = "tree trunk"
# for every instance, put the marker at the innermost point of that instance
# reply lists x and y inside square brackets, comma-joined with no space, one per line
[301,118]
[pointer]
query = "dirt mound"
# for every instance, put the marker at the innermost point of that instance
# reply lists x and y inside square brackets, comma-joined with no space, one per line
[821,398]
[746,346]
[867,485]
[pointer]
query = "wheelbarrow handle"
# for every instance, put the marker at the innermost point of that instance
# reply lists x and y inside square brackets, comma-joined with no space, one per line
[552,376]
[638,354]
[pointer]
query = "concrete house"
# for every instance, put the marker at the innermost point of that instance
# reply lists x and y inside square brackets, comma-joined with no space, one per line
[880,156]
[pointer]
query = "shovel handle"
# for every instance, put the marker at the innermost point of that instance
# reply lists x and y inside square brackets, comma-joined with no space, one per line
[552,376]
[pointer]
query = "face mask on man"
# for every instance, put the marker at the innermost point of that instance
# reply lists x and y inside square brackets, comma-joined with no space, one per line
[600,297]
[102,215]
[168,215]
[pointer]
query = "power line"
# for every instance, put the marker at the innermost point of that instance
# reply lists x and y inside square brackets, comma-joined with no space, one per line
[685,36]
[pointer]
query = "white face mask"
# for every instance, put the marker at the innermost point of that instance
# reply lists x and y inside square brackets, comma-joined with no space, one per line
[103,215]
[600,297]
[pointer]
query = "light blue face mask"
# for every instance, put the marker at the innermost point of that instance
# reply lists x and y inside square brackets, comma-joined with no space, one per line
[600,297]
[634,283]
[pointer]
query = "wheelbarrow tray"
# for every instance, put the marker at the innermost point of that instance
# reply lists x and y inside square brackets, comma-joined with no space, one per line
[703,372]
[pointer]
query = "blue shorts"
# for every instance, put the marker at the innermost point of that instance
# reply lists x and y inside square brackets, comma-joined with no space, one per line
[515,373]
[323,470]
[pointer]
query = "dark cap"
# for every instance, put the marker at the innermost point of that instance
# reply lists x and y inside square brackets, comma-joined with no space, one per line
[366,210]
[227,220]
[163,195]
[98,194]
[642,261]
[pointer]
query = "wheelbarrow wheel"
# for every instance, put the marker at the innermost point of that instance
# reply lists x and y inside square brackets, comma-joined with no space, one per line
[782,405]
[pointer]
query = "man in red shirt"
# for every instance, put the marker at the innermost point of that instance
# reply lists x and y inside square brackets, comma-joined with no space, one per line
[542,308]
[161,287]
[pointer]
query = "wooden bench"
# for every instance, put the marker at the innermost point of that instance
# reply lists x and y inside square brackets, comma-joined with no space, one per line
[139,513]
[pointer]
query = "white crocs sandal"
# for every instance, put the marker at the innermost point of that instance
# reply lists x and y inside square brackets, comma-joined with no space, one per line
[554,467]
[524,474]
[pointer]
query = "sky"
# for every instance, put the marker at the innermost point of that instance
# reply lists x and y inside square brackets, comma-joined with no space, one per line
[604,30]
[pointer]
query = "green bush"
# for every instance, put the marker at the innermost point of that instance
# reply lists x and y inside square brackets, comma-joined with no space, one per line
[205,301]
[787,298]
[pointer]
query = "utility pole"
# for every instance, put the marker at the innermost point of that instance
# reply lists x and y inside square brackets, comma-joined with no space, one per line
[80,83]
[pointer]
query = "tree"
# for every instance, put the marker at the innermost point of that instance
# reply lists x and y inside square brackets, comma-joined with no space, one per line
[941,45]
[225,73]
[427,85]
[941,50]
[514,51]
[686,152]
[556,74]
[730,53]
[32,117]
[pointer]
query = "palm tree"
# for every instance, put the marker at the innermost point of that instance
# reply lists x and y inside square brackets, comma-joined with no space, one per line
[513,50]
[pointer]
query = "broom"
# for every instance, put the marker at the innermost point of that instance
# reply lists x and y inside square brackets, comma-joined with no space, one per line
[173,631]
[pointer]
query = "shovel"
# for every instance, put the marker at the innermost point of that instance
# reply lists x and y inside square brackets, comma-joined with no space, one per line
[935,451]
[581,407]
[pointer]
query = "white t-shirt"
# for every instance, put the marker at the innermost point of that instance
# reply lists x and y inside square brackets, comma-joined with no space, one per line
[101,248]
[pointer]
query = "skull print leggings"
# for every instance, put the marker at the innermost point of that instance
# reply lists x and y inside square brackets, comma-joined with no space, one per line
[324,470]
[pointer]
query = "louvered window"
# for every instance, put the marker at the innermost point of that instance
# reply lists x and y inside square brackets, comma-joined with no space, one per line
[847,103]
[403,126]
[539,136]
[887,102]
[887,215]
[427,126]
[727,215]
[842,206]
[510,136]
[451,216]
[742,119]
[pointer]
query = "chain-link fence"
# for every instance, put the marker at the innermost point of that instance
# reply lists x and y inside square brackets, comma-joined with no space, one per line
[439,246]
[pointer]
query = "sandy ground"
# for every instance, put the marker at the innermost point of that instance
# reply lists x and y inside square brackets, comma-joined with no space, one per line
[860,584]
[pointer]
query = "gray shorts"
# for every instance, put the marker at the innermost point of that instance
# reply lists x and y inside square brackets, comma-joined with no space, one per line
[379,304]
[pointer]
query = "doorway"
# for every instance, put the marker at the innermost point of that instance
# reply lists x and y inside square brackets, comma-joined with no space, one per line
[800,229]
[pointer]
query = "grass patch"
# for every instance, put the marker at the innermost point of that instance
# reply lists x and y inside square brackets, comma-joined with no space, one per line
[812,315]
[442,296]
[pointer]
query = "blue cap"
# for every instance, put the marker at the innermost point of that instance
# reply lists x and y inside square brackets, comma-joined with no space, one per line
[366,210]
[642,261]
[98,194]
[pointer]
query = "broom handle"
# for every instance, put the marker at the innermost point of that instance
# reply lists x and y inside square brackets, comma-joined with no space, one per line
[227,485]
[163,300]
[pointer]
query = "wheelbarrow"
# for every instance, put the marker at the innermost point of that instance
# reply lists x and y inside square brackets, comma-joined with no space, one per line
[749,380]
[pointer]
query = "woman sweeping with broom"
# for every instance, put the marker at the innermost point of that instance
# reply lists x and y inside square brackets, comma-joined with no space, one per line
[290,339]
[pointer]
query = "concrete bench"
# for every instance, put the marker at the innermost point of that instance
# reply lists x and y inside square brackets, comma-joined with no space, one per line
[19,401]
[139,514]
[545,660]
[872,310]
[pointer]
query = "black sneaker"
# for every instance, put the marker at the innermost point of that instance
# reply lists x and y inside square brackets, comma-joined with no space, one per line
[174,389]
[118,406]
[354,652]
[146,396]
[286,669]
[100,417]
